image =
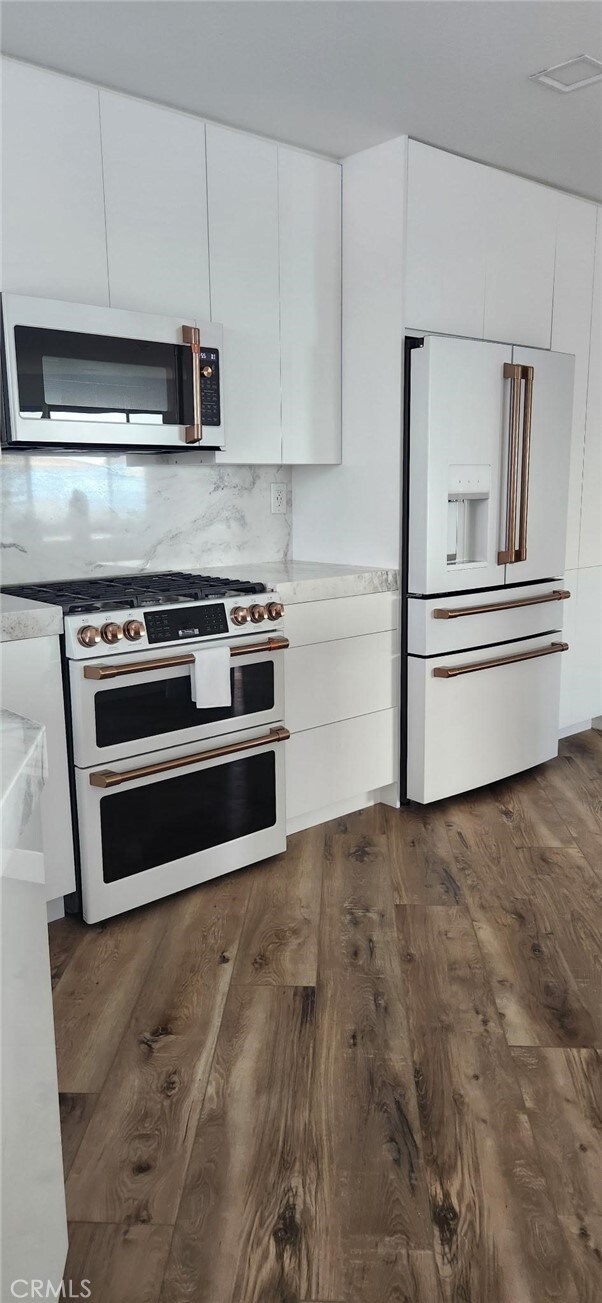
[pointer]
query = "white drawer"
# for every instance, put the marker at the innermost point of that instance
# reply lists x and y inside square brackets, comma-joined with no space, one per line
[327,765]
[337,680]
[481,619]
[341,617]
[473,728]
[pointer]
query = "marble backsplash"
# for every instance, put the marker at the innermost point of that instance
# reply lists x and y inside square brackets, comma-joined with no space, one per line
[66,517]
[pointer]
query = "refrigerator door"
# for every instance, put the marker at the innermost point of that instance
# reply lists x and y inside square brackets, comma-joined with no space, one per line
[544,408]
[458,422]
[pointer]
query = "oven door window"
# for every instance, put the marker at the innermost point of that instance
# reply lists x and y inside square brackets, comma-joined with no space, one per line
[63,375]
[175,817]
[158,706]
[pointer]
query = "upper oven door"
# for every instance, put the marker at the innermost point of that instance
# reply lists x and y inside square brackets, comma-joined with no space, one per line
[86,376]
[127,705]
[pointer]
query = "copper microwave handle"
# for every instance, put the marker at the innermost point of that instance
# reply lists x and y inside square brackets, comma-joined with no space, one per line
[454,612]
[169,662]
[191,335]
[452,671]
[523,520]
[512,372]
[113,778]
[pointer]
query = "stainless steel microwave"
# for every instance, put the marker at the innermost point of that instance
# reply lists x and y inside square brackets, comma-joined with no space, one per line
[79,376]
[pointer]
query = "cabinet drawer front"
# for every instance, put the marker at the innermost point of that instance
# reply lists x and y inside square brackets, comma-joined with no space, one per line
[343,617]
[337,680]
[446,624]
[330,764]
[469,730]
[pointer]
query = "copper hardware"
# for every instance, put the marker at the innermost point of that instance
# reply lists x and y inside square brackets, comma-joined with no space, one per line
[133,630]
[240,615]
[191,335]
[512,372]
[521,553]
[116,671]
[452,671]
[111,778]
[88,635]
[559,595]
[257,613]
[207,371]
[275,610]
[111,632]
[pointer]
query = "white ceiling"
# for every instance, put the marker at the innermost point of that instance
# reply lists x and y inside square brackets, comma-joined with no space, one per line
[340,75]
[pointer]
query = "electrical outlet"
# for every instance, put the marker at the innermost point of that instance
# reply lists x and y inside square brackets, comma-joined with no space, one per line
[278,499]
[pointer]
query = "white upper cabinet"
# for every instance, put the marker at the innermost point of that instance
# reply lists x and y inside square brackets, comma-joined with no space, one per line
[242,190]
[156,208]
[310,306]
[573,281]
[590,550]
[53,224]
[520,217]
[446,242]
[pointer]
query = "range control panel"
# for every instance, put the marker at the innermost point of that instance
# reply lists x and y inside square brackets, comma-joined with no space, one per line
[168,625]
[210,404]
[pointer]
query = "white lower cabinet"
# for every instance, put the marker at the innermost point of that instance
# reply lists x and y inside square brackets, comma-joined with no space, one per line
[331,765]
[335,680]
[581,680]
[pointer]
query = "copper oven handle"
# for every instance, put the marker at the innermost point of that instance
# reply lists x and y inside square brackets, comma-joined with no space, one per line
[191,335]
[452,671]
[112,778]
[521,553]
[512,372]
[168,662]
[454,612]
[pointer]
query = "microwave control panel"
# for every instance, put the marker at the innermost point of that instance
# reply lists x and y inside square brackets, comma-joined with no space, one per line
[210,404]
[169,625]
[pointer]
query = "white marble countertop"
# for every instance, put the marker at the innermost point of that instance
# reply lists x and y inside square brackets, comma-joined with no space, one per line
[315,581]
[23,772]
[20,617]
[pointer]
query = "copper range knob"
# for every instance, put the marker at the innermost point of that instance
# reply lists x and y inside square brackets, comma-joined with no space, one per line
[111,632]
[133,630]
[88,635]
[207,371]
[275,610]
[257,613]
[240,615]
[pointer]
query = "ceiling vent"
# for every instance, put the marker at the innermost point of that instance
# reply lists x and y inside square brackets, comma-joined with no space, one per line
[572,75]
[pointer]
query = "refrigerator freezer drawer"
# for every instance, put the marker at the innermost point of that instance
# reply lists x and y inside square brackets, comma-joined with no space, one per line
[481,724]
[437,625]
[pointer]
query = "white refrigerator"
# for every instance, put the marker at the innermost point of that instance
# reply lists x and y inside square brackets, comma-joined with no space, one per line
[486,464]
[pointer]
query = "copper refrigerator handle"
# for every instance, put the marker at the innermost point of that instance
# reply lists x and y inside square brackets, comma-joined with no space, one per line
[454,612]
[112,778]
[512,372]
[169,662]
[452,671]
[521,553]
[191,335]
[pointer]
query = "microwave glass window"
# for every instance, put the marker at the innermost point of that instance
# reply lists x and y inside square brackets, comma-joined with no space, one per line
[63,375]
[142,710]
[175,817]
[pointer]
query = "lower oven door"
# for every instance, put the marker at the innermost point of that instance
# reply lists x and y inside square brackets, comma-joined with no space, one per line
[129,705]
[177,818]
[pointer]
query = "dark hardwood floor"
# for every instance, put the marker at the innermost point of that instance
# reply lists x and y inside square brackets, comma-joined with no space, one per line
[364,1072]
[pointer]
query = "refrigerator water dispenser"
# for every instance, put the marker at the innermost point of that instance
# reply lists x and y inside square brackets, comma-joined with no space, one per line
[467,514]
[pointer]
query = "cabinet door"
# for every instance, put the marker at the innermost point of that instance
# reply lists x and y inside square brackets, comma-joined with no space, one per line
[242,191]
[573,280]
[548,464]
[581,681]
[53,211]
[309,192]
[446,242]
[156,206]
[590,548]
[520,217]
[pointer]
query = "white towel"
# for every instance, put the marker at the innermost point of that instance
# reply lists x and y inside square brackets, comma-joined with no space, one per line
[210,678]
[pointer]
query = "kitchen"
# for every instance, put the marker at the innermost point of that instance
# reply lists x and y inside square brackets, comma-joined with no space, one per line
[297,437]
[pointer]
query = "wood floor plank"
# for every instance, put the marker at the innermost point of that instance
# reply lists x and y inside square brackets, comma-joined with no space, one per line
[64,936]
[367,822]
[584,1242]
[94,997]
[75,1113]
[488,863]
[389,1272]
[530,816]
[121,1264]
[279,943]
[422,865]
[562,780]
[246,1227]
[587,750]
[132,1161]
[496,1233]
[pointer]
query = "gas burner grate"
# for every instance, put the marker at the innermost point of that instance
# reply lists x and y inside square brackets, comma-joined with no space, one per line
[114,591]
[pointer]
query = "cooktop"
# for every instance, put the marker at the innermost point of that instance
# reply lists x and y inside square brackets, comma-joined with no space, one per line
[116,591]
